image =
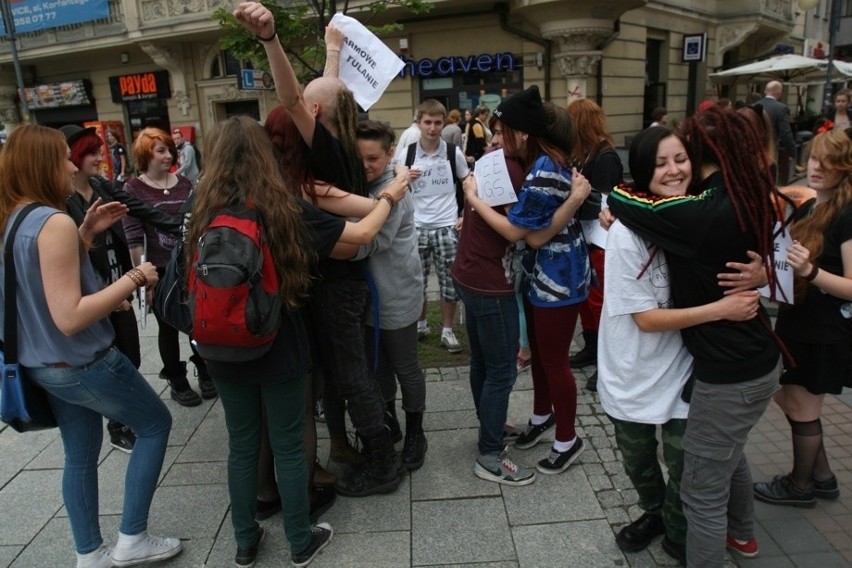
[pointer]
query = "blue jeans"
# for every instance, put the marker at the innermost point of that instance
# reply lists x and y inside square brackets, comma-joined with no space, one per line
[285,410]
[80,396]
[492,329]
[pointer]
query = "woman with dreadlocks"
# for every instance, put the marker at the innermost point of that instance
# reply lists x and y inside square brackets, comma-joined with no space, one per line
[817,329]
[736,364]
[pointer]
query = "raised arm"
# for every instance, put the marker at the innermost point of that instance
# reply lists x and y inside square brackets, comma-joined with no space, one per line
[333,44]
[838,286]
[258,20]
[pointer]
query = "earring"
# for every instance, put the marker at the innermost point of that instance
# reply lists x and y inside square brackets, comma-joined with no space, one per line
[524,137]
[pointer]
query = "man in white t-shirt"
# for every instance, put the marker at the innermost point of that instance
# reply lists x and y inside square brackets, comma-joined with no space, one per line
[436,210]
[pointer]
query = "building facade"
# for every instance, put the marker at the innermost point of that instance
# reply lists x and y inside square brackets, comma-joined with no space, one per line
[158,62]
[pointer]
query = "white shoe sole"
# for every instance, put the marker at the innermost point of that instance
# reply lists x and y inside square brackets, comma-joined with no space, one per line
[154,558]
[483,473]
[565,466]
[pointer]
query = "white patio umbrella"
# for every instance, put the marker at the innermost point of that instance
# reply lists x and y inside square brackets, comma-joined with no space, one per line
[783,67]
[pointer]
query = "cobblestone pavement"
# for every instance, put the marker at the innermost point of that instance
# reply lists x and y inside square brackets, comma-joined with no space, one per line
[442,515]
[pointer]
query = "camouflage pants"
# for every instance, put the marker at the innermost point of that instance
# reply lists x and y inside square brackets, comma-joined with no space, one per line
[638,445]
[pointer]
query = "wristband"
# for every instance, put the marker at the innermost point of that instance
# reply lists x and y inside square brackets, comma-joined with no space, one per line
[812,274]
[388,197]
[266,39]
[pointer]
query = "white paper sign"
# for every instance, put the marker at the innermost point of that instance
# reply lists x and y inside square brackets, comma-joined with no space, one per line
[493,184]
[783,271]
[594,233]
[436,177]
[367,65]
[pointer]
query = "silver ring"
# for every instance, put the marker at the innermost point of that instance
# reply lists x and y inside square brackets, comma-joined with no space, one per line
[742,276]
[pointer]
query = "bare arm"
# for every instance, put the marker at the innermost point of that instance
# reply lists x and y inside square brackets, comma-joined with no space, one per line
[742,306]
[837,286]
[333,43]
[59,262]
[495,220]
[258,20]
[334,200]
[362,232]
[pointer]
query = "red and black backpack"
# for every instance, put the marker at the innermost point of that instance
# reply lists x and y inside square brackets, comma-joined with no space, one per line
[234,287]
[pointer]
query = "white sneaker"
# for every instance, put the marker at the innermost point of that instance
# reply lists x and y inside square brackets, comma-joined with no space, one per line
[449,341]
[142,548]
[99,558]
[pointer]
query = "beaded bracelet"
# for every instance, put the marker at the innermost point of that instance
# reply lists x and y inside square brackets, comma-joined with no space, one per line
[812,274]
[266,39]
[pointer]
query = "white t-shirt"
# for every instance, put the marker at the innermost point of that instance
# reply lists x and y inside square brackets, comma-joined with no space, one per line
[434,192]
[640,374]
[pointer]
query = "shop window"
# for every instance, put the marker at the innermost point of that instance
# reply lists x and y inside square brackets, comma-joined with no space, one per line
[470,89]
[226,65]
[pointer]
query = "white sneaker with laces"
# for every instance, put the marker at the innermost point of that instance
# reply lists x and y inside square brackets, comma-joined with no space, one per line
[449,341]
[143,548]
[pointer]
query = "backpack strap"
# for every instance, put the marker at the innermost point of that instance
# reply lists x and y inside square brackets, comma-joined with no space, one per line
[451,156]
[409,156]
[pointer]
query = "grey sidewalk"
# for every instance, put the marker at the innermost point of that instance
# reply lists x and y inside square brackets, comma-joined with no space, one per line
[442,515]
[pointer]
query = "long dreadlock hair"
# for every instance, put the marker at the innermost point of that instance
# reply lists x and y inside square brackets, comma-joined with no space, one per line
[345,117]
[833,151]
[730,142]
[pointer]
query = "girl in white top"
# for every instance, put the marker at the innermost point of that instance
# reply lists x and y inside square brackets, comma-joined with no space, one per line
[643,365]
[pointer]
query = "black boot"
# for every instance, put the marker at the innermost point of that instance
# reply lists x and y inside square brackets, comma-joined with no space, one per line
[592,383]
[414,450]
[205,382]
[392,422]
[379,475]
[181,391]
[588,355]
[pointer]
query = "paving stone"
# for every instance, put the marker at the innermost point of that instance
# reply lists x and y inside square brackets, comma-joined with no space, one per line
[197,473]
[199,514]
[389,549]
[375,513]
[557,545]
[448,420]
[28,503]
[796,535]
[447,472]
[552,499]
[452,395]
[599,482]
[459,531]
[9,553]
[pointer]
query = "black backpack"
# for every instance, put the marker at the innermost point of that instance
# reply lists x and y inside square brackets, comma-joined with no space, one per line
[197,156]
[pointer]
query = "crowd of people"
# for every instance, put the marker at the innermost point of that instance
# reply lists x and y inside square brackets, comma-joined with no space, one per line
[679,337]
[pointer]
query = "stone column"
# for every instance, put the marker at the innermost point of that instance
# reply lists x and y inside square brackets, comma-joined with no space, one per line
[576,50]
[170,57]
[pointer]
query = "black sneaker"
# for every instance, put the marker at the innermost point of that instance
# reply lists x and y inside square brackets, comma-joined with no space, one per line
[246,556]
[783,491]
[186,397]
[320,537]
[266,509]
[322,498]
[826,489]
[535,434]
[122,439]
[557,462]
